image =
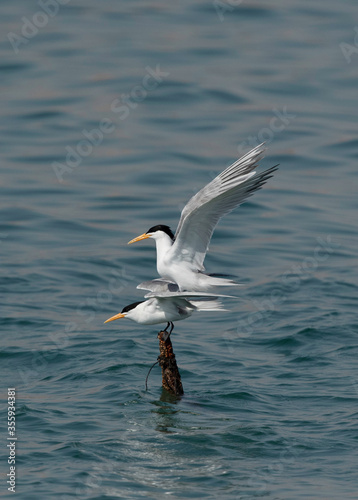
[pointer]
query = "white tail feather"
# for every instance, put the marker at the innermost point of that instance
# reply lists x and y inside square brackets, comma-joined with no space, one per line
[213,281]
[208,305]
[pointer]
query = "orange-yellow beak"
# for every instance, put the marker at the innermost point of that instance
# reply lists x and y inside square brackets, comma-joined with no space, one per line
[143,236]
[117,316]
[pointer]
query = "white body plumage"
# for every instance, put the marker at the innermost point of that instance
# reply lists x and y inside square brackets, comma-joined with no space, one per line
[180,258]
[166,306]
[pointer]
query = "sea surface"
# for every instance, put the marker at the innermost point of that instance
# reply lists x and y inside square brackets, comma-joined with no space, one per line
[113,114]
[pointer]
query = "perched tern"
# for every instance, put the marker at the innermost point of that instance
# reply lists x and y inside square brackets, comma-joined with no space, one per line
[168,307]
[180,257]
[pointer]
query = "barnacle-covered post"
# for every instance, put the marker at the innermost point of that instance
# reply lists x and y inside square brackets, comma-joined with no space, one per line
[171,380]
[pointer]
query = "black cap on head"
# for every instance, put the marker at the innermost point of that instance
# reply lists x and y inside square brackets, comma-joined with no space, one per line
[131,306]
[162,227]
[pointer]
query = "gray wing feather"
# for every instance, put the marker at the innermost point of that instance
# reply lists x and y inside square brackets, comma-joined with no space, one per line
[202,213]
[184,295]
[158,285]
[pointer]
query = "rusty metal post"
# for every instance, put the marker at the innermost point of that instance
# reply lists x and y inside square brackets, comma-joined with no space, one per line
[171,380]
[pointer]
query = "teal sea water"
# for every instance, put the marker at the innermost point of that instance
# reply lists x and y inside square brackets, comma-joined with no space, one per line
[113,115]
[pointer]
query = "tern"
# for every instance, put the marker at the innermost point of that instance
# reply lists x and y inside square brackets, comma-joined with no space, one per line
[169,306]
[180,257]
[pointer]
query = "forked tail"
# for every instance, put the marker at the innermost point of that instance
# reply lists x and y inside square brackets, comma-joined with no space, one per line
[213,280]
[208,305]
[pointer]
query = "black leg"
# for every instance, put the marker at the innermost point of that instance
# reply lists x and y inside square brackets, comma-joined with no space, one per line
[172,327]
[166,328]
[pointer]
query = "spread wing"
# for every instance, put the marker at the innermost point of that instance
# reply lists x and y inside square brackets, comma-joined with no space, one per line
[164,289]
[159,286]
[204,210]
[185,295]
